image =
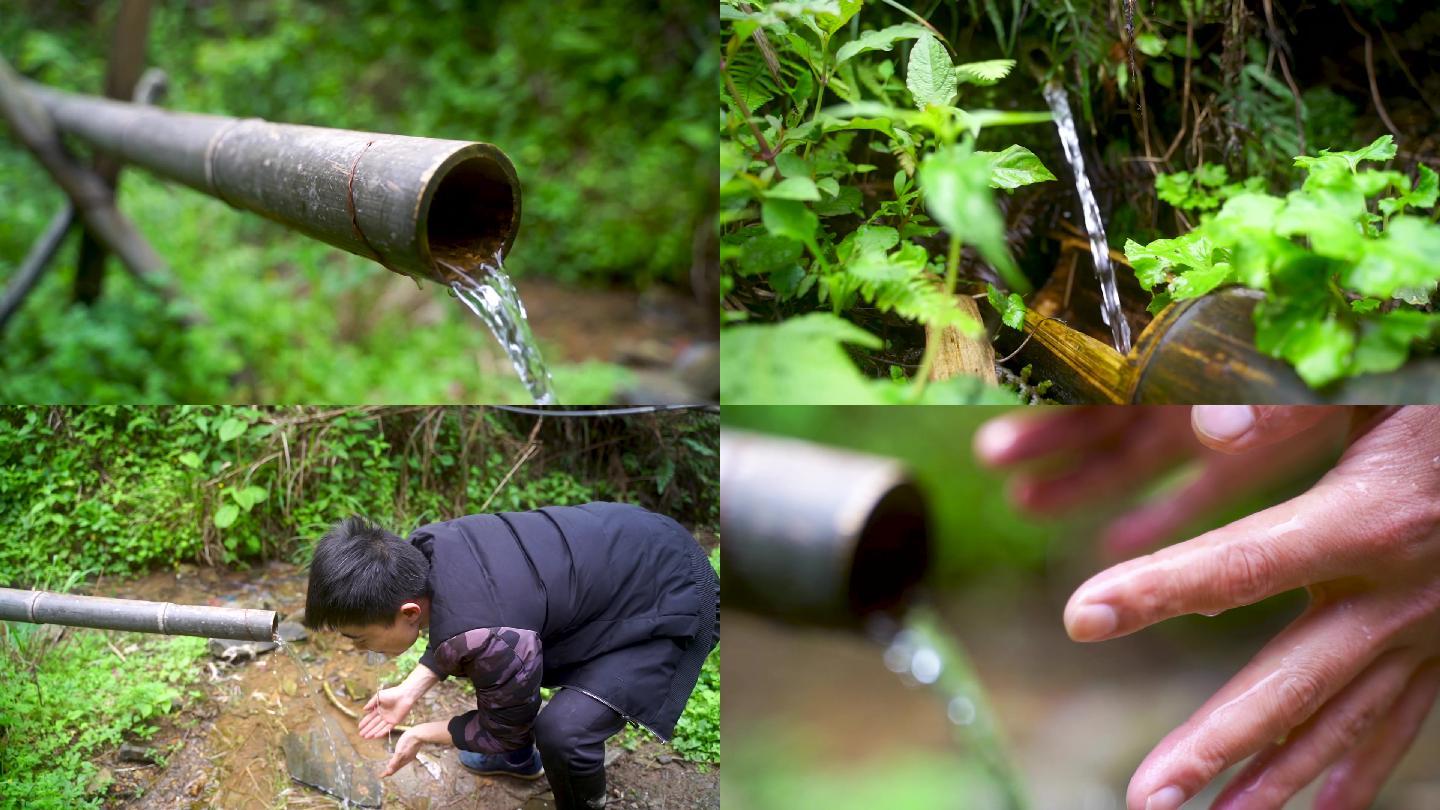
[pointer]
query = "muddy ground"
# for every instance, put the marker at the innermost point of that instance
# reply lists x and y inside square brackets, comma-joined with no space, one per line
[225,750]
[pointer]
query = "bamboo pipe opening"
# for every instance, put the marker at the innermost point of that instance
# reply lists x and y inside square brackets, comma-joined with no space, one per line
[892,553]
[472,212]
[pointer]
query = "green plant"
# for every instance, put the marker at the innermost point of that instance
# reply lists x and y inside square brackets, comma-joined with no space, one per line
[55,677]
[807,214]
[1348,274]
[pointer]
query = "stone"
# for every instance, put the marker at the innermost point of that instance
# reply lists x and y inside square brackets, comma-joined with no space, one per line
[292,632]
[129,752]
[236,650]
[311,761]
[664,759]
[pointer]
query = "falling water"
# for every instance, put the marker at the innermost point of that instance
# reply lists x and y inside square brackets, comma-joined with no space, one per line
[918,650]
[491,295]
[343,768]
[1099,247]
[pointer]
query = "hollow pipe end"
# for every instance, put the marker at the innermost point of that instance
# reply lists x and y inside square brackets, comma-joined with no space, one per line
[469,211]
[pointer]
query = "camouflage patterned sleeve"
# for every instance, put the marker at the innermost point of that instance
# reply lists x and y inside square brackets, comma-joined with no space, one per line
[505,665]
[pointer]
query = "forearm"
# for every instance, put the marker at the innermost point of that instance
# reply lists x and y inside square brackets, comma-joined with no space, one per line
[435,731]
[419,681]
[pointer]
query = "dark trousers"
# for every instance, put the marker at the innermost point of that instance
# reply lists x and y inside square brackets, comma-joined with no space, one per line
[570,732]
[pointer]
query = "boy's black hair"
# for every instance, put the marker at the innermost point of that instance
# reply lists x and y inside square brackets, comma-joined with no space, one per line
[361,574]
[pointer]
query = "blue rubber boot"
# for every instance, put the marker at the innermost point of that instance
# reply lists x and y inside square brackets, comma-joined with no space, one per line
[527,767]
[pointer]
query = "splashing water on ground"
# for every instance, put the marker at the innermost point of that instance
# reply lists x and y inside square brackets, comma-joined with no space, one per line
[920,652]
[345,787]
[489,293]
[1099,246]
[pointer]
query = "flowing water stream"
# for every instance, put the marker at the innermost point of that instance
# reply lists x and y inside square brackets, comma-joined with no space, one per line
[1094,225]
[922,654]
[488,292]
[345,782]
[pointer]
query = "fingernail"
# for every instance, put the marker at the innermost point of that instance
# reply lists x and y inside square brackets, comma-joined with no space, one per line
[1224,423]
[994,440]
[1093,622]
[1166,798]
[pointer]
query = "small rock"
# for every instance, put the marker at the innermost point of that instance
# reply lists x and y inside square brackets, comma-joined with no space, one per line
[129,752]
[664,759]
[235,650]
[292,632]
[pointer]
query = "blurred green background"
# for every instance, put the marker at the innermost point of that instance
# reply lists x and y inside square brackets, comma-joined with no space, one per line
[602,105]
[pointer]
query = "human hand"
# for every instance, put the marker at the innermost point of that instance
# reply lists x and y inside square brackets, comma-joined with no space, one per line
[386,710]
[409,744]
[1347,683]
[1072,456]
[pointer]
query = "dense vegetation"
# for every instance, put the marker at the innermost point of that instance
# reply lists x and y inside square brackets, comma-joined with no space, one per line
[601,106]
[116,490]
[850,221]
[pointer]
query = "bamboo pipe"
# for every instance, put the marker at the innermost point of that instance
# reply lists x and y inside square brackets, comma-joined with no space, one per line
[817,535]
[418,206]
[43,607]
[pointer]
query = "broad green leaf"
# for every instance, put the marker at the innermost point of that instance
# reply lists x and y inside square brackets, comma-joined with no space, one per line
[1320,351]
[231,428]
[882,40]
[190,459]
[956,183]
[834,21]
[1381,149]
[801,360]
[847,201]
[930,76]
[247,497]
[1011,307]
[1014,167]
[1404,258]
[983,73]
[791,219]
[1198,282]
[867,239]
[829,185]
[1422,196]
[790,164]
[794,188]
[766,253]
[1385,341]
[225,516]
[1150,44]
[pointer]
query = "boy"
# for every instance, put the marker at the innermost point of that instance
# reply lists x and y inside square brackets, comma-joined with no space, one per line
[614,605]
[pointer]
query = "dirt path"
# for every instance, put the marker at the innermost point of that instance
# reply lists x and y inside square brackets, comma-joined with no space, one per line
[225,750]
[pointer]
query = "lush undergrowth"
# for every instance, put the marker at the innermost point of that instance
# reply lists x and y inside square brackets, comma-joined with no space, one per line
[859,151]
[603,117]
[72,694]
[117,490]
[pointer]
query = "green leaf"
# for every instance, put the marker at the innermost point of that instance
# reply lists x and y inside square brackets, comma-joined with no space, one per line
[1014,167]
[1150,44]
[930,76]
[225,516]
[766,253]
[1381,149]
[983,73]
[190,459]
[791,219]
[801,360]
[956,183]
[1385,341]
[882,40]
[247,497]
[794,188]
[832,22]
[231,428]
[1011,307]
[1403,259]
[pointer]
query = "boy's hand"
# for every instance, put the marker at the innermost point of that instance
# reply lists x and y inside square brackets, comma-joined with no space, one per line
[385,711]
[409,744]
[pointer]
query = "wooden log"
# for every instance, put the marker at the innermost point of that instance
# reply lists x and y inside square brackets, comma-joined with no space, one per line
[127,60]
[961,355]
[89,194]
[35,263]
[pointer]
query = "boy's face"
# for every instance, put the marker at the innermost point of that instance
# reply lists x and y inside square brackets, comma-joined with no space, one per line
[393,639]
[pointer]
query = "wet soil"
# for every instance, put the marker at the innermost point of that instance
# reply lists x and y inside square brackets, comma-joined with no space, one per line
[225,749]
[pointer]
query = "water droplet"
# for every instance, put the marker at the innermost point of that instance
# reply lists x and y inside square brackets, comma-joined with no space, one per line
[925,665]
[1211,613]
[1435,462]
[961,711]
